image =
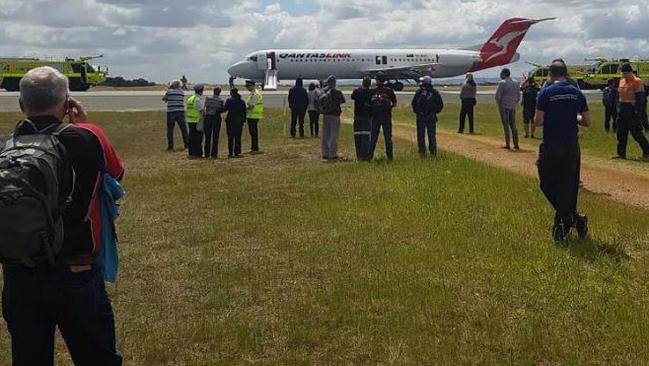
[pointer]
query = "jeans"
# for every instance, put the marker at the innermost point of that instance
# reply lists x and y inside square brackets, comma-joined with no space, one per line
[427,124]
[172,119]
[330,135]
[610,114]
[508,118]
[559,173]
[385,122]
[253,128]
[314,122]
[195,141]
[362,133]
[467,110]
[234,130]
[297,115]
[212,131]
[629,121]
[37,300]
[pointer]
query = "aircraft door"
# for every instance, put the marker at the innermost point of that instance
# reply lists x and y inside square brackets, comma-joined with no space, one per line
[271,61]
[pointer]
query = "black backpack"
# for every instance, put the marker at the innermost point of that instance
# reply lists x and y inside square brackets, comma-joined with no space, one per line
[429,102]
[381,101]
[36,186]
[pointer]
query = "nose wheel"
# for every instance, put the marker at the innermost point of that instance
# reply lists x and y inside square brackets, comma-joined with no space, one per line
[231,82]
[396,86]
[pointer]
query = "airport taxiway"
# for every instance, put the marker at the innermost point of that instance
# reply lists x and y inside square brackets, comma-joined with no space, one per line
[152,100]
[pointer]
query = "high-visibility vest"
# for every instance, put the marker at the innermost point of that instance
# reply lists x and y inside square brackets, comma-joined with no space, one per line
[257,112]
[192,115]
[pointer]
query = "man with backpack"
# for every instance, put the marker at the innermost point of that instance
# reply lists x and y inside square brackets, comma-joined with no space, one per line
[298,101]
[329,102]
[382,101]
[50,177]
[426,104]
[609,100]
[362,119]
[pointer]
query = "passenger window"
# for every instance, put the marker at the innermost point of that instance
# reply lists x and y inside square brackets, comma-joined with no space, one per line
[614,69]
[606,69]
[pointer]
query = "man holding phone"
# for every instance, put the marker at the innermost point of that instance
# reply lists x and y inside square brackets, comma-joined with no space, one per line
[560,109]
[70,293]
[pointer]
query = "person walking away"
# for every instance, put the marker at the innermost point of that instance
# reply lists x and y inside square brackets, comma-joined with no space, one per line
[60,284]
[195,104]
[212,123]
[610,97]
[631,93]
[468,98]
[329,105]
[298,102]
[314,116]
[362,119]
[426,104]
[530,90]
[234,121]
[560,109]
[382,100]
[255,105]
[175,99]
[507,96]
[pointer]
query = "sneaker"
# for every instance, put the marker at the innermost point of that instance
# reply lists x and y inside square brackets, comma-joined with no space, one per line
[560,232]
[581,224]
[506,147]
[619,157]
[645,157]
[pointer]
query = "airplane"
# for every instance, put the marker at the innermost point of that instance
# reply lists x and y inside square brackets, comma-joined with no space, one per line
[269,66]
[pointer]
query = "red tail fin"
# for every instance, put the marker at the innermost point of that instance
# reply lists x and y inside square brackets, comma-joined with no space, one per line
[501,48]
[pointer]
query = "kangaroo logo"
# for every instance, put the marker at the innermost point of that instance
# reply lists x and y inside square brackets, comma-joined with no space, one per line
[503,43]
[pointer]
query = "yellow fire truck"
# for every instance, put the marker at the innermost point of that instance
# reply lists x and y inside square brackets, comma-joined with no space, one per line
[81,73]
[605,69]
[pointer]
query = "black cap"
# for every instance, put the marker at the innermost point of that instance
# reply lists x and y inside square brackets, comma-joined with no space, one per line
[626,68]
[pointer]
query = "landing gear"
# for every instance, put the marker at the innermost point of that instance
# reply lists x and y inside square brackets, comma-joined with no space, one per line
[396,86]
[76,84]
[231,82]
[11,84]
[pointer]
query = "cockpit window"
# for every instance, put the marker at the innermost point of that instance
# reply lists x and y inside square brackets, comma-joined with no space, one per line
[252,58]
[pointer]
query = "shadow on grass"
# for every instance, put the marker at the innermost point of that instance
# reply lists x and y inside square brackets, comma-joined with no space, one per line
[592,249]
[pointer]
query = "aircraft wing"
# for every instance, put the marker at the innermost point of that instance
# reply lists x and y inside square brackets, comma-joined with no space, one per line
[411,72]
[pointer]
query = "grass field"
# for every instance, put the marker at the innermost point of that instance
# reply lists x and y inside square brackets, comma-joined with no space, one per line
[280,259]
[595,142]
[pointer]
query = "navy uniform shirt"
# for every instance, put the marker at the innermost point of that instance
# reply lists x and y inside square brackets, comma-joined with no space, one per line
[561,103]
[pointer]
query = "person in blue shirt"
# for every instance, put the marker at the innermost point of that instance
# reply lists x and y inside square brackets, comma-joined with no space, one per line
[560,109]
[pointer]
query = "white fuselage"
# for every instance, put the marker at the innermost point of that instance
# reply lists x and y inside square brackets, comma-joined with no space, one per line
[318,64]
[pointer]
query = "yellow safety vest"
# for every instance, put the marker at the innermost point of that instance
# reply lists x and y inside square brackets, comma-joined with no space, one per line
[192,115]
[257,112]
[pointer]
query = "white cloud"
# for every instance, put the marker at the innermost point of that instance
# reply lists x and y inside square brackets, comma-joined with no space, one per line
[161,39]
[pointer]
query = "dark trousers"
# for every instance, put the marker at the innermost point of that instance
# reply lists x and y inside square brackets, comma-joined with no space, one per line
[297,115]
[559,170]
[172,119]
[195,141]
[212,131]
[382,121]
[467,111]
[253,128]
[234,131]
[37,300]
[427,124]
[314,122]
[362,134]
[643,118]
[629,121]
[610,115]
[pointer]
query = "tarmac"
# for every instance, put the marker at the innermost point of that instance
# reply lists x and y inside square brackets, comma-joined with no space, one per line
[152,100]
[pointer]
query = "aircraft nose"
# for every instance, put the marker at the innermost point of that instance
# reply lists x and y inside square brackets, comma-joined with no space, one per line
[238,69]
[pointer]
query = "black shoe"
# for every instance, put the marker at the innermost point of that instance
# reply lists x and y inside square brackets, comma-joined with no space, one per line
[560,232]
[581,224]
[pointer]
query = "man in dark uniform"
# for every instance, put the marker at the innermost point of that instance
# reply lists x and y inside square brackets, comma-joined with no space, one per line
[560,109]
[362,119]
[383,100]
[298,101]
